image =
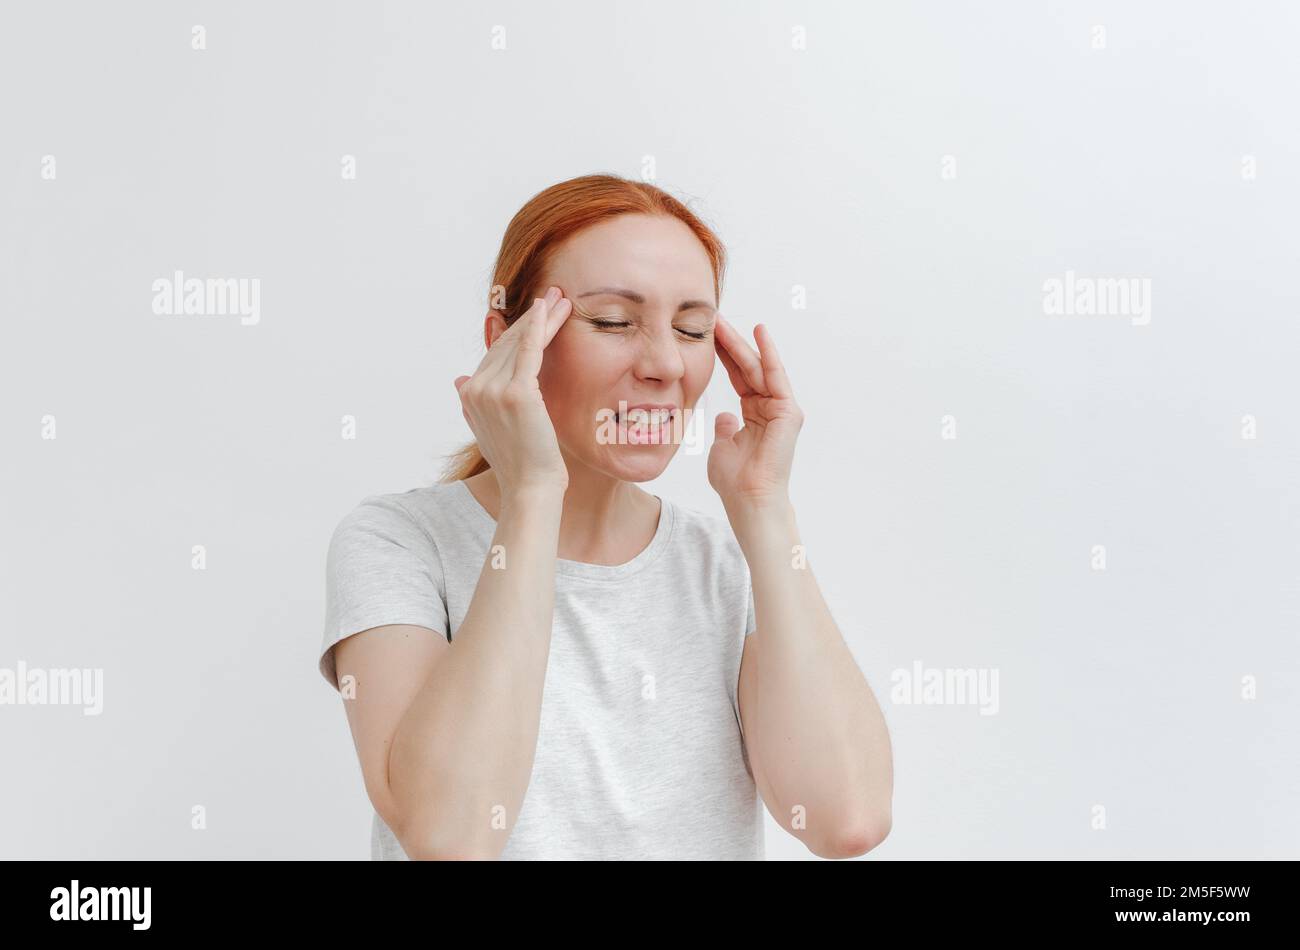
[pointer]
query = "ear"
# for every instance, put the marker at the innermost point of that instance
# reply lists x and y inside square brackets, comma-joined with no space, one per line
[494,324]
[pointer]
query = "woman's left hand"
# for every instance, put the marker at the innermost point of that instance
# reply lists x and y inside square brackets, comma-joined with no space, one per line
[752,464]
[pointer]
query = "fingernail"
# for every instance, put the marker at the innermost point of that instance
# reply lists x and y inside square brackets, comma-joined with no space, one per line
[552,296]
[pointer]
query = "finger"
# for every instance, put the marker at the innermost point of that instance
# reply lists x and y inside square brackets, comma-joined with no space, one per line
[459,382]
[743,355]
[524,328]
[738,381]
[549,324]
[773,369]
[725,425]
[559,313]
[507,344]
[528,354]
[487,366]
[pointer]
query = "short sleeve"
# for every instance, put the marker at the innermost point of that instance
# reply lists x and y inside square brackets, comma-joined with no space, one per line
[381,568]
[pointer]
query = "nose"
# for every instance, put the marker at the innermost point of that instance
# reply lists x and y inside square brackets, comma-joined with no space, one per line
[659,357]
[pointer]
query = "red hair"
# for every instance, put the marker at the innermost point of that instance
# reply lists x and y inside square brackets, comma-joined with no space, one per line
[545,222]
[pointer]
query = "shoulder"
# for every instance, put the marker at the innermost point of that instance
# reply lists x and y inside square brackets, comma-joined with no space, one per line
[390,521]
[708,543]
[708,534]
[378,511]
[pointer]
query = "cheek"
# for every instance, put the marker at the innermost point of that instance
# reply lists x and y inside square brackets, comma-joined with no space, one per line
[578,360]
[577,370]
[699,369]
[558,362]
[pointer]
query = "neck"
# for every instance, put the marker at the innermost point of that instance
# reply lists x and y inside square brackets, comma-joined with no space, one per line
[605,520]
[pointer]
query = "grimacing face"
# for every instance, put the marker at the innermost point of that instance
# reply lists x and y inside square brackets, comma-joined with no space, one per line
[641,331]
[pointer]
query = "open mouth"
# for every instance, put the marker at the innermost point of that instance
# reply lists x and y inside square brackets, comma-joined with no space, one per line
[647,416]
[647,426]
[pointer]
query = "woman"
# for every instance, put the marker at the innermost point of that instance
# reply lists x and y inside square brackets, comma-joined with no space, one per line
[539,659]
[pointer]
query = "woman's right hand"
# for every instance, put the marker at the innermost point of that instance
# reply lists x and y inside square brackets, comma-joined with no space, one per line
[503,405]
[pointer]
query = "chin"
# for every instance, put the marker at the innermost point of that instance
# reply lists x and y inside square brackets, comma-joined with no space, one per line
[636,463]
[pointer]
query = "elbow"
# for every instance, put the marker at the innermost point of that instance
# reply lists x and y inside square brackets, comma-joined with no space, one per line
[421,851]
[855,838]
[430,830]
[422,842]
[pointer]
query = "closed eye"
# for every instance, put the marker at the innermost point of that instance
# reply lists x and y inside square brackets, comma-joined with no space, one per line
[618,324]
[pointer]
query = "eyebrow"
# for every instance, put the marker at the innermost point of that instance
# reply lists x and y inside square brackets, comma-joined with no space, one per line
[637,298]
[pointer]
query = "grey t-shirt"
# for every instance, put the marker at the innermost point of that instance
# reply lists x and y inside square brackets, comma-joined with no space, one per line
[640,753]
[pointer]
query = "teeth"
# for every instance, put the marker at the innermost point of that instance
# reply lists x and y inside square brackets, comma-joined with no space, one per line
[653,417]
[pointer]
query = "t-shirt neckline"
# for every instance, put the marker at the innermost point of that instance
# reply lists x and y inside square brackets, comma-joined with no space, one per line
[594,572]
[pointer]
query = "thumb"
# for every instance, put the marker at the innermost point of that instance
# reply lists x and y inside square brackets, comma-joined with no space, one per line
[459,382]
[724,426]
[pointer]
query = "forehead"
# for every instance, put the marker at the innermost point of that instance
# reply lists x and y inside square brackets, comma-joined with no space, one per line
[656,256]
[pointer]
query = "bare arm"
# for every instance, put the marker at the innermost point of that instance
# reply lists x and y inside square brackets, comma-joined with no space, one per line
[447,732]
[463,753]
[817,740]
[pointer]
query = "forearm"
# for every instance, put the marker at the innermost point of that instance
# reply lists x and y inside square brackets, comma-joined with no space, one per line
[813,725]
[463,753]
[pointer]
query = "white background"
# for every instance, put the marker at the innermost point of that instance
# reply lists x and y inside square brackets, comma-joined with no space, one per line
[819,167]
